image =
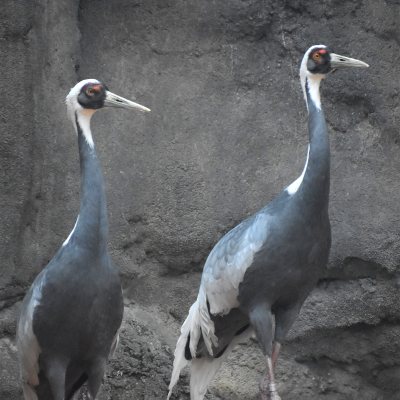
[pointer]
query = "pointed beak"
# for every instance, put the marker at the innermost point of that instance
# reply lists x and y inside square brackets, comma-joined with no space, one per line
[341,61]
[113,100]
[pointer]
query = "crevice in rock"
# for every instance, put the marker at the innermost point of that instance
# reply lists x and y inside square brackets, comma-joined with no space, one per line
[354,268]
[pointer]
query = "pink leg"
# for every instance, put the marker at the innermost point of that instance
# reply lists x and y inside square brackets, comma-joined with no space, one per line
[267,383]
[275,352]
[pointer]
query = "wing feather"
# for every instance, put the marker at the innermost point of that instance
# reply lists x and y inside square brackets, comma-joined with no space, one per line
[223,272]
[27,344]
[228,261]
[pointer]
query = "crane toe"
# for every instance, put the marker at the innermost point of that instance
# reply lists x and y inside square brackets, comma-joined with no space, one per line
[265,389]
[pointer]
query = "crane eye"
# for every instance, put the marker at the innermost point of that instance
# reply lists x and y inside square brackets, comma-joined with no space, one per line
[90,92]
[316,56]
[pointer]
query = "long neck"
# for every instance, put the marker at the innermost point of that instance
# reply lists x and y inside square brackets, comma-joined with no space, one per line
[91,228]
[315,185]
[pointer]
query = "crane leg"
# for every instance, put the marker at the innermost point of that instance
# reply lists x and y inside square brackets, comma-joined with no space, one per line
[275,352]
[267,383]
[56,376]
[95,377]
[262,322]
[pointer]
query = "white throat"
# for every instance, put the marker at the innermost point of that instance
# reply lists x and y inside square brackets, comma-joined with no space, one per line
[312,82]
[84,116]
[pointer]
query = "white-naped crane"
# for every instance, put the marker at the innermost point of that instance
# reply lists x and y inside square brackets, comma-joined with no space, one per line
[267,265]
[71,315]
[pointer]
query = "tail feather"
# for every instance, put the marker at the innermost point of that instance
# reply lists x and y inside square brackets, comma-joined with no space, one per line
[197,322]
[29,391]
[206,324]
[114,345]
[194,329]
[180,361]
[203,370]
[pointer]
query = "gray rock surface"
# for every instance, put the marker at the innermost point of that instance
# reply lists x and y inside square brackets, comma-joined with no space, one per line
[226,134]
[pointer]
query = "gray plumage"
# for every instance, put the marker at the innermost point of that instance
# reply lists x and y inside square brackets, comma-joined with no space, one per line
[71,315]
[269,263]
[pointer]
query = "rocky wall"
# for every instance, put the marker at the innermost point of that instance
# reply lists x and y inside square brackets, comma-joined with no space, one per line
[227,133]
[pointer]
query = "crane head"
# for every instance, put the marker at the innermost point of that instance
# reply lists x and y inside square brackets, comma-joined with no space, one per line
[91,94]
[318,60]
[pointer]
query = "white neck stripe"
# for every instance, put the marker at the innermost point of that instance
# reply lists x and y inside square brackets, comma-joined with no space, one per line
[294,186]
[313,83]
[84,117]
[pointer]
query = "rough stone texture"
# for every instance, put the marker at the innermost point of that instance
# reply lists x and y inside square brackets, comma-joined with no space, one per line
[226,134]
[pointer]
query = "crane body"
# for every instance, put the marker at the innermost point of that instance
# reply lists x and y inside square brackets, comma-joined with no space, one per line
[72,313]
[265,267]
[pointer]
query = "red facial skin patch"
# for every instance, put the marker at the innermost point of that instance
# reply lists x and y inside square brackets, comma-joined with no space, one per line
[322,51]
[96,87]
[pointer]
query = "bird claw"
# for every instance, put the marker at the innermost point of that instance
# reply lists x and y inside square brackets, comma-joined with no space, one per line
[268,391]
[274,396]
[270,396]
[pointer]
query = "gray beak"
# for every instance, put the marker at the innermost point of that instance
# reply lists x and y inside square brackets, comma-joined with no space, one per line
[340,61]
[113,100]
